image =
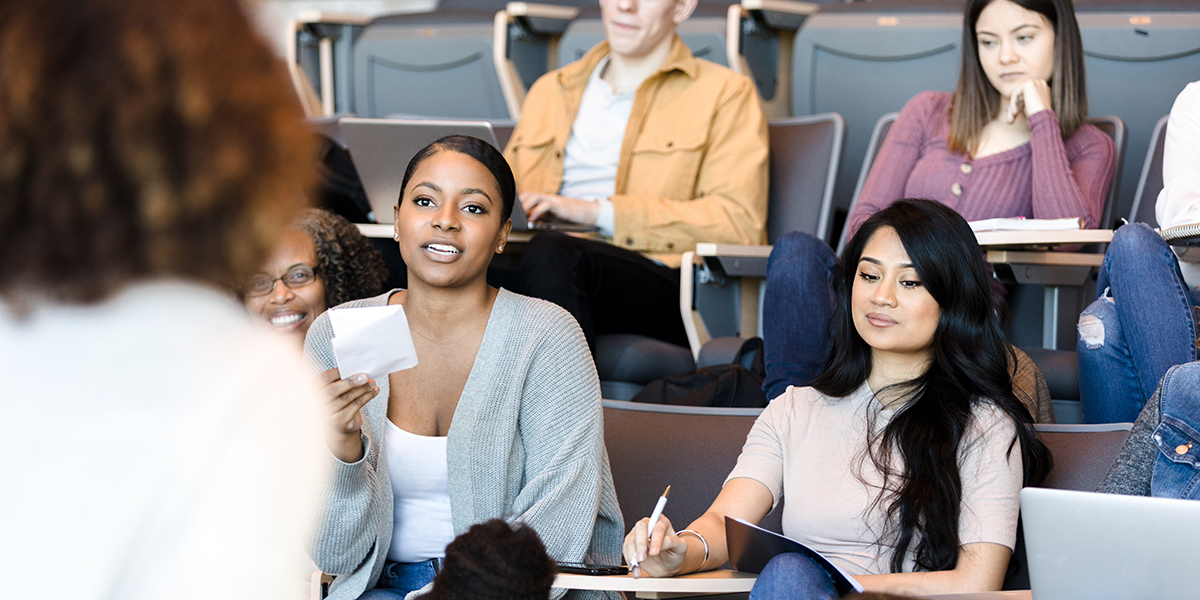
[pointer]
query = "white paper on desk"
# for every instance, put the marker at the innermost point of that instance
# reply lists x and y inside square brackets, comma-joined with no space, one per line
[373,339]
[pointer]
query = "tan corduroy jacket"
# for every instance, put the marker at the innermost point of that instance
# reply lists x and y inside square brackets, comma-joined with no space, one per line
[693,164]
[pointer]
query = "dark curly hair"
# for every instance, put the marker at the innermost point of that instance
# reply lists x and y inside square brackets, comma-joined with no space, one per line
[137,143]
[493,561]
[350,267]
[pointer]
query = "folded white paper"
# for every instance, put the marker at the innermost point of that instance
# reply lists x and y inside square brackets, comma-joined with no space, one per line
[374,340]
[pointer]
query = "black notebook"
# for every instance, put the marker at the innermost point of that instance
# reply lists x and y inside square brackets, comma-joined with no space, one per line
[751,547]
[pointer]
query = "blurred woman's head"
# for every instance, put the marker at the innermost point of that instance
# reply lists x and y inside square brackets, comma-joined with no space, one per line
[1005,42]
[135,143]
[320,262]
[931,295]
[453,212]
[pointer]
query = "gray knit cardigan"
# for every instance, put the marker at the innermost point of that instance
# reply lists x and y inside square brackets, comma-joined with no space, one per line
[1130,474]
[526,444]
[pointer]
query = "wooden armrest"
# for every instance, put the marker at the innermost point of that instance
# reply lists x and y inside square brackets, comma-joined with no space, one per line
[541,11]
[317,16]
[782,14]
[733,250]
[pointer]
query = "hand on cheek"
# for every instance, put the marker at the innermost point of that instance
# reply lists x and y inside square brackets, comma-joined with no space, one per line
[1031,98]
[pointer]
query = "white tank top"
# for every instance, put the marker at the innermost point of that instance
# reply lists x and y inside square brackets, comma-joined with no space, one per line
[421,525]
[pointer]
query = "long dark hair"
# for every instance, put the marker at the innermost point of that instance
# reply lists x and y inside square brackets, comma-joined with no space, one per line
[483,152]
[976,102]
[970,366]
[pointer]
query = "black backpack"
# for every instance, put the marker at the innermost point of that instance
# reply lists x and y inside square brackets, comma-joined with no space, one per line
[731,384]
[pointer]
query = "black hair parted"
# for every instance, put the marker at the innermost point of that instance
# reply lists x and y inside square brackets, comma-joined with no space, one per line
[495,561]
[484,153]
[970,365]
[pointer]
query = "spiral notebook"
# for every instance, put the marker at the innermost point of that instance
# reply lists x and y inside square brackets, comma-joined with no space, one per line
[1182,235]
[751,547]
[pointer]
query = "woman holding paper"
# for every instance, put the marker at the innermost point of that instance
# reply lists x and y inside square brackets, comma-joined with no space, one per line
[500,418]
[903,462]
[1011,141]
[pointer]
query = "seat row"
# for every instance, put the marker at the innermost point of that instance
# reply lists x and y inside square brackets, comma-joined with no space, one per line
[862,60]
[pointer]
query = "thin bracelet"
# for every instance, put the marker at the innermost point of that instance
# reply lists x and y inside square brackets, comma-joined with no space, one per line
[702,541]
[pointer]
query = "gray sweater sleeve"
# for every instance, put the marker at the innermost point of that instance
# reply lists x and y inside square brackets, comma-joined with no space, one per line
[346,532]
[1130,475]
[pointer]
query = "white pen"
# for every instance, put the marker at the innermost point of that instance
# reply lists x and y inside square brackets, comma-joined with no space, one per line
[634,567]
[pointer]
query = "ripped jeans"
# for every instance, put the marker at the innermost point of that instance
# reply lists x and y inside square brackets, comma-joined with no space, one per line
[1142,323]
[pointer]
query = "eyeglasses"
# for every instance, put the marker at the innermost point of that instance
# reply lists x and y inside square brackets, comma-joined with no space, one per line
[296,277]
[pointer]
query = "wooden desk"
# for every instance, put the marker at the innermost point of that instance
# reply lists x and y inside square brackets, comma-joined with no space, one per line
[1027,258]
[721,581]
[385,230]
[1013,595]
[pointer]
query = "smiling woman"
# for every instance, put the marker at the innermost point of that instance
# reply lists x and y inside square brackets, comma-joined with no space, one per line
[500,419]
[322,261]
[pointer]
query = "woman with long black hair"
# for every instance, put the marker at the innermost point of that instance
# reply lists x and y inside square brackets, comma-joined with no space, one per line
[903,462]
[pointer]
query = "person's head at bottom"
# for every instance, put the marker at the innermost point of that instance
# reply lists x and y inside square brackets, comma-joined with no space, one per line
[495,561]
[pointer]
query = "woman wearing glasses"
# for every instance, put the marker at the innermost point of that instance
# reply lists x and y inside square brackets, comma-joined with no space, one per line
[321,261]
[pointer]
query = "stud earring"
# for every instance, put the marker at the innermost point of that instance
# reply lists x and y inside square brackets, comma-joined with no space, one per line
[396,236]
[499,249]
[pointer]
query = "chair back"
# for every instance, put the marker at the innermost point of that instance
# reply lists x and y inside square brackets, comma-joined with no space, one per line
[878,135]
[1083,454]
[1115,128]
[429,65]
[692,449]
[1151,181]
[805,154]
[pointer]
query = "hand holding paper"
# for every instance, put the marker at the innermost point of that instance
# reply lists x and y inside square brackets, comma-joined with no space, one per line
[374,340]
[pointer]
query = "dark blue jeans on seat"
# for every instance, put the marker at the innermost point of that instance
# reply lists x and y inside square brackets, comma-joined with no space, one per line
[793,577]
[797,306]
[1141,325]
[398,579]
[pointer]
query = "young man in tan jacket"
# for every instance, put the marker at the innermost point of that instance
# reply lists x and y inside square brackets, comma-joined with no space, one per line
[657,149]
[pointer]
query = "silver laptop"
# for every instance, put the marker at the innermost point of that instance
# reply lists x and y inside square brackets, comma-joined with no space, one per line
[381,149]
[1089,546]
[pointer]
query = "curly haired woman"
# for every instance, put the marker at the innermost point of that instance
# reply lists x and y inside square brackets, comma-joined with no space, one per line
[322,261]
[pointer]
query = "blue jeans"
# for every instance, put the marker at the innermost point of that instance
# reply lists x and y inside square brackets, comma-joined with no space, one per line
[797,307]
[1141,325]
[790,576]
[398,579]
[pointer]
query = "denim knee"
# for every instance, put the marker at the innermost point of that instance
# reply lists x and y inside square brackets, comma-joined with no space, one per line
[796,247]
[793,575]
[1098,323]
[1134,244]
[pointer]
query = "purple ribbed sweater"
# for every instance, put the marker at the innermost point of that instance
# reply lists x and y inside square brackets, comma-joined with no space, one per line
[1047,178]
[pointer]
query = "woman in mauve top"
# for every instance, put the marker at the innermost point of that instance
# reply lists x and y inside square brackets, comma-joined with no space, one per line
[1009,142]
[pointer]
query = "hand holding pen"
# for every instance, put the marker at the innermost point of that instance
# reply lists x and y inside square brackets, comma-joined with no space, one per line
[652,548]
